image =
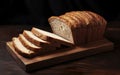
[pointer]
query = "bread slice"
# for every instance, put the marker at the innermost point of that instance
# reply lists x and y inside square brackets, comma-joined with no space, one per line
[40,34]
[53,38]
[35,40]
[21,49]
[28,44]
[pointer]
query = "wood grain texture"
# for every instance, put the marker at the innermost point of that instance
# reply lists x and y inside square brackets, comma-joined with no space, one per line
[59,57]
[105,63]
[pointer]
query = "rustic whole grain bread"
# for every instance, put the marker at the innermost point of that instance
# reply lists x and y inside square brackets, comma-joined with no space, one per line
[71,28]
[79,27]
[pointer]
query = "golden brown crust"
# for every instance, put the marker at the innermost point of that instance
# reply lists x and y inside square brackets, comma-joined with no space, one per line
[80,30]
[86,17]
[73,17]
[98,18]
[69,19]
[82,14]
[76,17]
[81,19]
[97,22]
[101,24]
[90,25]
[90,17]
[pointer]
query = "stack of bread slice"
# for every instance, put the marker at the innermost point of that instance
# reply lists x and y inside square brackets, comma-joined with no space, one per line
[37,41]
[79,27]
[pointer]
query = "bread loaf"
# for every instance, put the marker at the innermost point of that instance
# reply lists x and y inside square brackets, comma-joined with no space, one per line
[71,28]
[79,27]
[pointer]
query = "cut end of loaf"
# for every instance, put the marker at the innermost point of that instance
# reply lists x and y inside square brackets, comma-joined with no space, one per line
[60,28]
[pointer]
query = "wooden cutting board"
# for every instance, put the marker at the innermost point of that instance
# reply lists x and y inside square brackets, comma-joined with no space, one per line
[65,55]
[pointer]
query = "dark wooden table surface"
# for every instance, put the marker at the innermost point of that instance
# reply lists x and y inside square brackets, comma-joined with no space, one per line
[107,63]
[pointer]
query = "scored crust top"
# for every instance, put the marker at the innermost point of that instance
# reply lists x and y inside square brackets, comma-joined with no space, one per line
[80,19]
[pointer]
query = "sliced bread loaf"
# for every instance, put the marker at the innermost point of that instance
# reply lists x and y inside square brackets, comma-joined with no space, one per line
[79,27]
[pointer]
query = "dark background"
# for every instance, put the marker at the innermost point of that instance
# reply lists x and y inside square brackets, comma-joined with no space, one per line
[37,12]
[18,15]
